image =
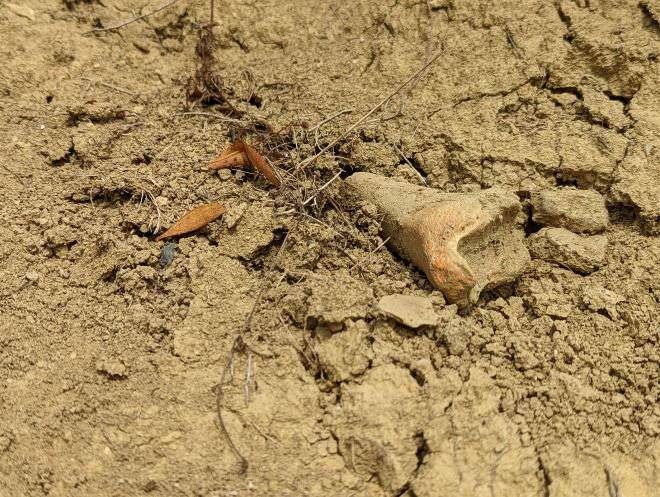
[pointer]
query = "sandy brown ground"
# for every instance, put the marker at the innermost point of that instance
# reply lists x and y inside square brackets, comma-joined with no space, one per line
[109,361]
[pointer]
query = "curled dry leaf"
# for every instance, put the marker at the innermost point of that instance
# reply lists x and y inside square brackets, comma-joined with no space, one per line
[241,154]
[260,164]
[234,156]
[195,219]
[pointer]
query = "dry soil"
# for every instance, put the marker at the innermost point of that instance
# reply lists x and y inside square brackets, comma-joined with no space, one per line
[111,349]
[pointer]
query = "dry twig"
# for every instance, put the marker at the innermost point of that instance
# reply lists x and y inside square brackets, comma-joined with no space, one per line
[239,345]
[327,184]
[112,87]
[133,19]
[373,109]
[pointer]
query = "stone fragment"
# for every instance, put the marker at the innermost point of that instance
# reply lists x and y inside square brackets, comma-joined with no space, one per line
[581,211]
[234,214]
[465,243]
[112,368]
[167,254]
[582,254]
[409,310]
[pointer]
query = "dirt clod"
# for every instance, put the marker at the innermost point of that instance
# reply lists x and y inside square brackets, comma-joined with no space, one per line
[583,254]
[580,211]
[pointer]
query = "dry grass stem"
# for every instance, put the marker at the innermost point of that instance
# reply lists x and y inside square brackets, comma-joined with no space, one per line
[348,131]
[133,19]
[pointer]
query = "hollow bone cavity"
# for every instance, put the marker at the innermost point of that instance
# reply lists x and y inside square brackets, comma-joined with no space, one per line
[464,242]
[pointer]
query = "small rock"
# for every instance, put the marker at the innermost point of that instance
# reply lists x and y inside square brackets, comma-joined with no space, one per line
[112,368]
[409,310]
[234,214]
[582,254]
[581,211]
[464,242]
[167,254]
[32,276]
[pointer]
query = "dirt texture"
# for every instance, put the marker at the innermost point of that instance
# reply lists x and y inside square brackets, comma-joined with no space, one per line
[112,345]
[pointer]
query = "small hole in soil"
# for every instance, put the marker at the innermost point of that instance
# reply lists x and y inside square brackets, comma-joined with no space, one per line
[531,226]
[621,214]
[256,100]
[414,163]
[348,169]
[145,159]
[566,181]
[49,99]
[418,377]
[422,448]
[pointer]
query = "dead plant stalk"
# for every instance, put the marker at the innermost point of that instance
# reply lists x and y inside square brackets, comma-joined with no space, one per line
[239,345]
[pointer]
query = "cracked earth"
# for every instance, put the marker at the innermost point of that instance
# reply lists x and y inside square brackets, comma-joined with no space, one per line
[111,346]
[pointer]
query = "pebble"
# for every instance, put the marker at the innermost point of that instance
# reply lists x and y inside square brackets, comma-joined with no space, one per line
[167,254]
[113,368]
[410,310]
[582,254]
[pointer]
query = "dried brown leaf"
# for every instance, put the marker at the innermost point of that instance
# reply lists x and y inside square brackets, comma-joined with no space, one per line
[241,154]
[260,164]
[194,220]
[234,156]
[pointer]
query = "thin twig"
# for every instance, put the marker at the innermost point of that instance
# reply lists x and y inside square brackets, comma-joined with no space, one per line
[364,259]
[312,197]
[210,114]
[132,19]
[248,377]
[239,345]
[260,431]
[248,321]
[236,345]
[422,178]
[162,151]
[330,118]
[15,175]
[373,109]
[112,87]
